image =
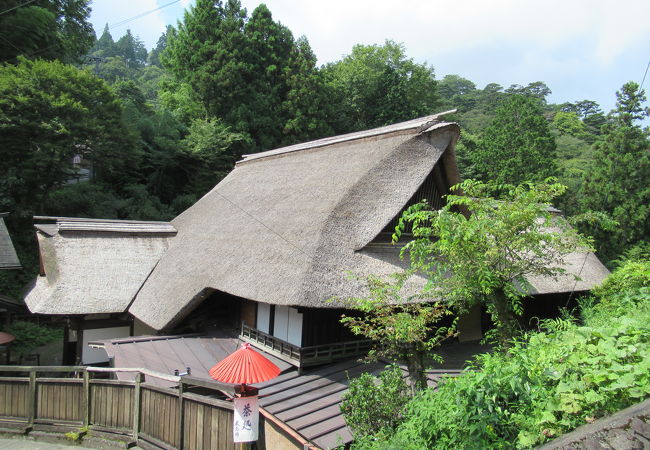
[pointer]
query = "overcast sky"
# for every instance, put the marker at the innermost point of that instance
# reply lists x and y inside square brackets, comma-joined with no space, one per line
[580,49]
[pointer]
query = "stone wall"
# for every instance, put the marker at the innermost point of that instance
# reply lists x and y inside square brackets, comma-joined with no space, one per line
[628,429]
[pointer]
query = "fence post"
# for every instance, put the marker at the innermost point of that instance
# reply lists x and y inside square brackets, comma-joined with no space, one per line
[32,399]
[136,406]
[181,415]
[86,387]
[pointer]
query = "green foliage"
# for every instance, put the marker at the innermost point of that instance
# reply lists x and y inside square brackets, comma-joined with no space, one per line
[617,181]
[45,29]
[403,327]
[479,248]
[50,112]
[375,405]
[30,336]
[517,146]
[548,383]
[249,73]
[377,85]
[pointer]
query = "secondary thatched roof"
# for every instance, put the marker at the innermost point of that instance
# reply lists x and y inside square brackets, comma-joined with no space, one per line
[94,266]
[8,257]
[284,226]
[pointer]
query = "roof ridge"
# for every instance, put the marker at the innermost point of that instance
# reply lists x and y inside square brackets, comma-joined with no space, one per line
[420,124]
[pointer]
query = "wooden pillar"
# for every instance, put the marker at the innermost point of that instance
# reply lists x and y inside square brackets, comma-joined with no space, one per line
[32,399]
[137,395]
[86,398]
[181,416]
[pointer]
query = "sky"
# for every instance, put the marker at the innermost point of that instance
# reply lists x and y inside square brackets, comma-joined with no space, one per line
[582,49]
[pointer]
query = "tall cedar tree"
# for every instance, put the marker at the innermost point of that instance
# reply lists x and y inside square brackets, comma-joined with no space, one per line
[517,146]
[617,182]
[245,71]
[45,29]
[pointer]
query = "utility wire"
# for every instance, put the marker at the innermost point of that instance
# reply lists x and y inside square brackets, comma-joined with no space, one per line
[117,24]
[644,75]
[138,16]
[262,223]
[16,7]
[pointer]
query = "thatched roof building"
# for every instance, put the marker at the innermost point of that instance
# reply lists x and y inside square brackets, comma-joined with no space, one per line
[285,225]
[94,266]
[282,228]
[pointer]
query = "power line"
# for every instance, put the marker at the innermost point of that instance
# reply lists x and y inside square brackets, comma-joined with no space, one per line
[138,16]
[16,7]
[262,223]
[117,24]
[644,75]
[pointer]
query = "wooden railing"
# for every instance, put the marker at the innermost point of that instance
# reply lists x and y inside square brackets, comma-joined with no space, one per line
[303,356]
[136,410]
[322,354]
[270,344]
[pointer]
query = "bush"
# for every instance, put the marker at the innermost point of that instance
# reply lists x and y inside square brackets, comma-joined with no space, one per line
[549,382]
[375,405]
[30,336]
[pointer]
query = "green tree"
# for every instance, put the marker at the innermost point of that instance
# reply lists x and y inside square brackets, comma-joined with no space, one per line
[161,44]
[248,72]
[46,29]
[483,256]
[617,182]
[374,405]
[132,50]
[404,326]
[517,146]
[377,85]
[50,112]
[457,92]
[105,45]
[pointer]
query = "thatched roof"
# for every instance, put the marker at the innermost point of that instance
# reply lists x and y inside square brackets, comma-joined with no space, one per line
[8,257]
[584,265]
[285,225]
[282,228]
[94,266]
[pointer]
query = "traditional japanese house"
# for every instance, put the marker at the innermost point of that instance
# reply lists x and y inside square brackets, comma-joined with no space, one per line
[267,256]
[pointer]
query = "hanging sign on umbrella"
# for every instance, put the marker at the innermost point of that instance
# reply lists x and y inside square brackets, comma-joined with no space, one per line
[245,366]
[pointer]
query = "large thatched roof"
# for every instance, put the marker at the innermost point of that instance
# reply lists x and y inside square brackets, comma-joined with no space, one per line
[94,266]
[8,257]
[284,226]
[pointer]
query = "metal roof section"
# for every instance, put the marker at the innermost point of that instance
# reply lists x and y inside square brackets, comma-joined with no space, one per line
[308,402]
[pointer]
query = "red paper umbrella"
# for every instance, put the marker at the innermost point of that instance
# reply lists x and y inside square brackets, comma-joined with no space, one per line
[245,366]
[6,338]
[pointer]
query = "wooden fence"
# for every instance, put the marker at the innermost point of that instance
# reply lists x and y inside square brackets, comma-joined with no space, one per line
[162,417]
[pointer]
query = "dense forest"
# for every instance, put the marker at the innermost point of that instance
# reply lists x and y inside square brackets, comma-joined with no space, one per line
[100,126]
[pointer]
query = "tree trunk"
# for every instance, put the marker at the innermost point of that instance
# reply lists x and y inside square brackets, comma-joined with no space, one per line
[505,319]
[415,363]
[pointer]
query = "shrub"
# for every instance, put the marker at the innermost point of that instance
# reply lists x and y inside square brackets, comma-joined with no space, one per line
[375,405]
[29,336]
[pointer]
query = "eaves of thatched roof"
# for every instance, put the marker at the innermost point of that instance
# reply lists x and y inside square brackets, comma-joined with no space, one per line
[92,265]
[286,225]
[8,257]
